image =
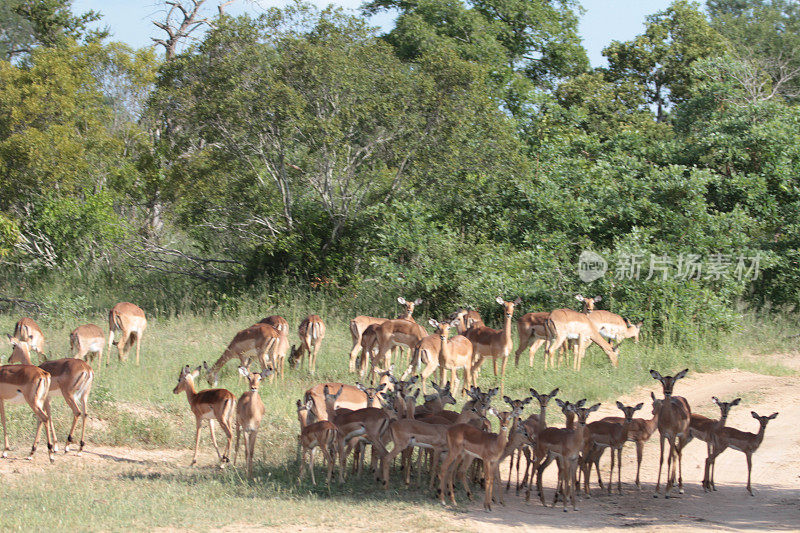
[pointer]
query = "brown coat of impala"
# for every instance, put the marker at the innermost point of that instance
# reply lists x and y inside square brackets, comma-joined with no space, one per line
[488,342]
[86,342]
[532,332]
[27,330]
[313,435]
[128,319]
[704,428]
[398,332]
[259,340]
[351,398]
[608,434]
[362,322]
[31,384]
[465,319]
[208,405]
[311,332]
[72,377]
[280,324]
[249,412]
[566,324]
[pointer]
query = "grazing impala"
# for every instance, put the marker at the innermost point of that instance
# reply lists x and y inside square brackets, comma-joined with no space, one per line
[673,424]
[72,377]
[437,351]
[207,405]
[88,340]
[361,322]
[278,322]
[26,330]
[130,321]
[566,324]
[249,412]
[745,442]
[313,435]
[31,384]
[258,340]
[532,334]
[488,342]
[311,332]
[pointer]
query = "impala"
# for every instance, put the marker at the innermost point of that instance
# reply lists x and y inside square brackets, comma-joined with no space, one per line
[258,340]
[26,330]
[322,435]
[72,377]
[465,441]
[360,323]
[445,354]
[704,428]
[607,434]
[130,321]
[87,342]
[533,430]
[613,327]
[350,397]
[488,342]
[588,303]
[532,334]
[278,322]
[639,431]
[311,332]
[208,405]
[566,324]
[673,424]
[249,412]
[745,442]
[31,384]
[397,332]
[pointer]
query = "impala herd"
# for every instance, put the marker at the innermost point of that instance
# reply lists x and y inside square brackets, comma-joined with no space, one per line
[340,419]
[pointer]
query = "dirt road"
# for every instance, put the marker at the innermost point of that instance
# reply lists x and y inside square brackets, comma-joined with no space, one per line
[775,476]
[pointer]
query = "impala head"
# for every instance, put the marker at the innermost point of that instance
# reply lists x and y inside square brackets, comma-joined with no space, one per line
[442,328]
[629,411]
[294,358]
[634,329]
[443,394]
[725,407]
[505,418]
[303,411]
[508,306]
[656,403]
[409,306]
[517,405]
[390,403]
[763,420]
[186,379]
[583,412]
[330,399]
[372,393]
[588,303]
[570,409]
[212,376]
[386,377]
[20,351]
[254,378]
[544,398]
[668,382]
[402,386]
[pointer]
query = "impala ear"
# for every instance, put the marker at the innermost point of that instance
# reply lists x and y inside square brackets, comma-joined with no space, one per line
[652,395]
[553,392]
[401,300]
[772,416]
[326,390]
[454,323]
[418,301]
[361,387]
[499,300]
[579,297]
[527,400]
[533,392]
[205,367]
[433,323]
[620,405]
[560,403]
[715,400]
[508,400]
[638,406]
[595,407]
[736,402]
[379,389]
[580,403]
[299,404]
[681,374]
[493,391]
[656,375]
[244,372]
[754,414]
[267,372]
[598,299]
[196,372]
[518,301]
[416,394]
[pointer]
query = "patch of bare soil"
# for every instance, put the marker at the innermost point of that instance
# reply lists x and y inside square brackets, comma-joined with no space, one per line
[775,475]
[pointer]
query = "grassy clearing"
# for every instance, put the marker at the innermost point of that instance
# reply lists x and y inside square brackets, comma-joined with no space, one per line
[134,406]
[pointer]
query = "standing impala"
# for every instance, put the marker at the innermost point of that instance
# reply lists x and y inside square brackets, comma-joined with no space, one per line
[532,332]
[704,429]
[673,424]
[207,405]
[566,324]
[311,332]
[313,435]
[362,322]
[465,319]
[130,321]
[488,342]
[398,332]
[258,340]
[249,412]
[31,384]
[27,330]
[608,434]
[72,377]
[87,341]
[437,351]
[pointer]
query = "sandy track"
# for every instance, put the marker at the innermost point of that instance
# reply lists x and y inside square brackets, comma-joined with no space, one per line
[775,477]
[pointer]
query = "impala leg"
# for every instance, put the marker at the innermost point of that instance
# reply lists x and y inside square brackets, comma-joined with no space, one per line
[5,435]
[214,437]
[679,454]
[532,351]
[611,472]
[619,470]
[197,441]
[639,450]
[311,465]
[76,414]
[50,428]
[138,344]
[100,359]
[749,457]
[660,464]
[503,373]
[487,499]
[226,427]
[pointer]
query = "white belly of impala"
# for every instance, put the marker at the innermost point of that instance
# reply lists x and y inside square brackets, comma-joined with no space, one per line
[95,346]
[209,415]
[572,336]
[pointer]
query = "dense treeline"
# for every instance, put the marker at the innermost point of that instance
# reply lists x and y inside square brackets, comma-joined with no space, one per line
[468,152]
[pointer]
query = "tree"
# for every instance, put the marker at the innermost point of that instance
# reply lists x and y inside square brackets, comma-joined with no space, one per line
[661,58]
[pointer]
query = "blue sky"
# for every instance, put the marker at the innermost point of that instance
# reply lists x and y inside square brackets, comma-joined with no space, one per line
[130,21]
